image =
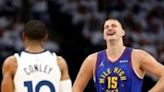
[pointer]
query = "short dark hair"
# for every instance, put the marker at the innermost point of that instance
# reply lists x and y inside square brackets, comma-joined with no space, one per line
[122,22]
[35,30]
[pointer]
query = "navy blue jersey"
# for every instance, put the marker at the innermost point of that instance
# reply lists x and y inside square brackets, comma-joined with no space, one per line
[117,76]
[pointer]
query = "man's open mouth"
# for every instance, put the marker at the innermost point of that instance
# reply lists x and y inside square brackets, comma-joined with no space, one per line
[111,32]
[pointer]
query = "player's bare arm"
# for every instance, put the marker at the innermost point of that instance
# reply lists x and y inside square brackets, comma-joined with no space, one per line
[65,84]
[63,67]
[8,71]
[85,73]
[152,66]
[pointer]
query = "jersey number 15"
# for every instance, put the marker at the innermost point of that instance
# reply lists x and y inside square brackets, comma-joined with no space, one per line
[112,82]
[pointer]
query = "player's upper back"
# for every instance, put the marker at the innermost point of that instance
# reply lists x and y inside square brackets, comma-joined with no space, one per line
[37,72]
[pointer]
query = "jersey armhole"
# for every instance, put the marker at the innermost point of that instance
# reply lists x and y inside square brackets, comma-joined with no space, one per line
[133,69]
[54,56]
[17,56]
[95,68]
[98,61]
[137,75]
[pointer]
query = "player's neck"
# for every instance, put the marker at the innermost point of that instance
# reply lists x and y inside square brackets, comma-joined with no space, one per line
[115,48]
[34,47]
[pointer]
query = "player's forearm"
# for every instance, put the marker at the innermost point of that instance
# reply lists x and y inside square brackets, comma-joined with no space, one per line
[159,87]
[6,86]
[79,85]
[76,90]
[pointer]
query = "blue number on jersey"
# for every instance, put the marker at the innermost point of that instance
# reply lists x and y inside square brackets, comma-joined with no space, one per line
[29,86]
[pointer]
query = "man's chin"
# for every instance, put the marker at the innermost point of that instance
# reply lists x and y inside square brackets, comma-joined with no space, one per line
[111,40]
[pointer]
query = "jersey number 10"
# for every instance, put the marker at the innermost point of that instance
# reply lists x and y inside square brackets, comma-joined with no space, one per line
[29,86]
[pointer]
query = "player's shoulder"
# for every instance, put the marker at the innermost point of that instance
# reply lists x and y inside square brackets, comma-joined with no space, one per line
[140,53]
[60,58]
[61,62]
[10,60]
[92,56]
[9,63]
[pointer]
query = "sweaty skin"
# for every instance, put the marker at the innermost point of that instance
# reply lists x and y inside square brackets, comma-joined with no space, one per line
[141,60]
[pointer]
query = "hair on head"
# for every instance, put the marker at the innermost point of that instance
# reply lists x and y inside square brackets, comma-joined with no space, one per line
[35,30]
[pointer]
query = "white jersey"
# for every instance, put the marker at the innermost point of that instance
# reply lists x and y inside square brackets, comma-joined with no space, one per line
[37,72]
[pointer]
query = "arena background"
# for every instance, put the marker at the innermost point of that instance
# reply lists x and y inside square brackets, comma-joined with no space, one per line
[75,27]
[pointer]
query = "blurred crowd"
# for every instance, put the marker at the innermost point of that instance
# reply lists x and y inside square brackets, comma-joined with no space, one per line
[143,21]
[12,20]
[76,25]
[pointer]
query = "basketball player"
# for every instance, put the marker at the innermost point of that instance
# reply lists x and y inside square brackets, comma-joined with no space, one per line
[35,69]
[118,68]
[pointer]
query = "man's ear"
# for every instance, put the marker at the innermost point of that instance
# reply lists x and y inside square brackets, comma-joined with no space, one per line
[45,38]
[123,32]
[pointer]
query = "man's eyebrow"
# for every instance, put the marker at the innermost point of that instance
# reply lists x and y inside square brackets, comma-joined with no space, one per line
[113,25]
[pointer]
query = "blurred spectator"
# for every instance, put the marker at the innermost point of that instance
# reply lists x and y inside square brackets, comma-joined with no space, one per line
[78,25]
[92,29]
[39,10]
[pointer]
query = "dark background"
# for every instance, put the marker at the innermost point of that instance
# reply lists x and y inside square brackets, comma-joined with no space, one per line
[75,27]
